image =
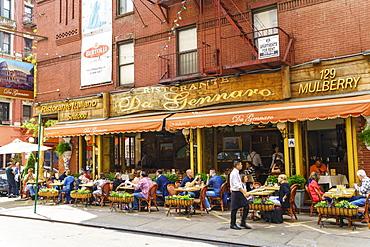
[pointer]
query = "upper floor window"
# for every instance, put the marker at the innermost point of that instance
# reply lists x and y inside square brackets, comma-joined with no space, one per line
[125,6]
[5,10]
[265,19]
[27,14]
[27,113]
[27,46]
[5,42]
[4,111]
[126,63]
[187,46]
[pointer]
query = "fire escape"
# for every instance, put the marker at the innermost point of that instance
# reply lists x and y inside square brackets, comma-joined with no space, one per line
[229,43]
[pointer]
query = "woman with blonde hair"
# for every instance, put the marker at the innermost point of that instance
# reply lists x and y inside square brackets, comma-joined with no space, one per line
[314,188]
[284,192]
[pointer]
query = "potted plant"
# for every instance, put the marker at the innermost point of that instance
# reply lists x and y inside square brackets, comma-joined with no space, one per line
[64,150]
[120,196]
[272,179]
[300,181]
[343,208]
[80,194]
[364,136]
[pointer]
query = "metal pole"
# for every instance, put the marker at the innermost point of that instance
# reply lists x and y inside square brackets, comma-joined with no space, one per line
[37,161]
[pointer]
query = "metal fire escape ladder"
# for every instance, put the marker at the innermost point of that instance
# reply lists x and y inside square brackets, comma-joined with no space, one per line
[249,42]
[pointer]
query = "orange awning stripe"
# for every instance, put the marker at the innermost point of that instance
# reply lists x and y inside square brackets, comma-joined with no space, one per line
[279,112]
[124,125]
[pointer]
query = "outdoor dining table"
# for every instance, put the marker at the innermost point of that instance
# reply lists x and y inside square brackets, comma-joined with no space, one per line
[187,189]
[261,192]
[344,193]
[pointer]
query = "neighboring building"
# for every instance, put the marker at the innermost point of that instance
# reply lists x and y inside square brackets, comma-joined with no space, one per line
[125,78]
[16,75]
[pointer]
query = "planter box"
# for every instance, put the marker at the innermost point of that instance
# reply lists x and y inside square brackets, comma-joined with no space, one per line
[120,199]
[81,195]
[48,193]
[261,207]
[299,198]
[179,202]
[337,211]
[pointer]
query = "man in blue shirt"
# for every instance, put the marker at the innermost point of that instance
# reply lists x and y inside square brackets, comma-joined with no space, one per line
[190,179]
[215,183]
[68,186]
[161,180]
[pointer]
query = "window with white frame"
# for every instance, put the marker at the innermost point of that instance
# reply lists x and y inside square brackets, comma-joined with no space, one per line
[187,46]
[27,14]
[5,42]
[126,63]
[265,20]
[5,8]
[125,6]
[27,113]
[27,46]
[4,111]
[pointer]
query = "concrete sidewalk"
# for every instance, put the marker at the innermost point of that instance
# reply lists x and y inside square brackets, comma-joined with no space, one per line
[214,226]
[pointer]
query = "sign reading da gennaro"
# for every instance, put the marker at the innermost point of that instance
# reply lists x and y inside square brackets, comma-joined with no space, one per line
[246,88]
[76,109]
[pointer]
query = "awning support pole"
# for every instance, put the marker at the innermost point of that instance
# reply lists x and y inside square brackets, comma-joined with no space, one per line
[286,150]
[298,148]
[351,149]
[199,150]
[80,152]
[191,144]
[100,154]
[93,158]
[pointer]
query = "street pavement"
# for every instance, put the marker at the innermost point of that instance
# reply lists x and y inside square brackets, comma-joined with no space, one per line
[213,226]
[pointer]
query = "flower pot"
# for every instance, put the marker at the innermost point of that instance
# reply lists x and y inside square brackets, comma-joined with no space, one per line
[81,195]
[66,158]
[120,199]
[299,198]
[337,211]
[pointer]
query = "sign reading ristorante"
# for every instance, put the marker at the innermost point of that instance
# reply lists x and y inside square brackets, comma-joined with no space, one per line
[76,109]
[256,87]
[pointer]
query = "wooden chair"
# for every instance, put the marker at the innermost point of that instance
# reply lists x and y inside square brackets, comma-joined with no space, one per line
[152,198]
[294,204]
[313,203]
[291,209]
[219,199]
[171,189]
[256,185]
[200,201]
[105,192]
[365,211]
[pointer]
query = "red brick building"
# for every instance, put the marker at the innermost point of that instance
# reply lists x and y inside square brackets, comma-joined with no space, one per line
[17,21]
[302,49]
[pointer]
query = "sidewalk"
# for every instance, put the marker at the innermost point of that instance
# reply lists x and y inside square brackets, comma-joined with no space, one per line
[215,226]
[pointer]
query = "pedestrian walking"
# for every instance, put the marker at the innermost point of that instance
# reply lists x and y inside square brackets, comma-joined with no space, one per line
[238,197]
[10,179]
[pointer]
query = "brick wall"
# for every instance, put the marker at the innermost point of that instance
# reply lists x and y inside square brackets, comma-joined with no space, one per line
[363,152]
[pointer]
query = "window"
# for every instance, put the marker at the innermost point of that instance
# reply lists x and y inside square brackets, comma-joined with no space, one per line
[27,14]
[4,111]
[5,8]
[187,44]
[126,64]
[27,113]
[5,42]
[265,19]
[27,46]
[125,6]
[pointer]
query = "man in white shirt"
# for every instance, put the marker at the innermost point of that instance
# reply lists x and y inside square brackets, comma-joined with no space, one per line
[255,158]
[238,197]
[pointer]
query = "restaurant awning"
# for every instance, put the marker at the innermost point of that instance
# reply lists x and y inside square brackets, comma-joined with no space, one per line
[109,126]
[278,112]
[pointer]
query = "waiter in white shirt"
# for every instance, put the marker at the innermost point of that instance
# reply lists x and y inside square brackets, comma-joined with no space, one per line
[238,197]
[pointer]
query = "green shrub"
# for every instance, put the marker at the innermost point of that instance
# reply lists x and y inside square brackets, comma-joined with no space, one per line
[297,179]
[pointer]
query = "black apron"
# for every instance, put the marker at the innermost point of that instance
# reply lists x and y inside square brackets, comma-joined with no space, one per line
[238,200]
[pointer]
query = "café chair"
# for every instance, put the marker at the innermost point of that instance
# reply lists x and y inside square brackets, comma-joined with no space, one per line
[171,189]
[152,198]
[105,192]
[365,212]
[294,204]
[200,201]
[219,199]
[256,185]
[313,203]
[291,209]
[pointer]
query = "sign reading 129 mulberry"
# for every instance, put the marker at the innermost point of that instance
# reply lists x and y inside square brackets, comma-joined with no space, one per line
[247,88]
[96,48]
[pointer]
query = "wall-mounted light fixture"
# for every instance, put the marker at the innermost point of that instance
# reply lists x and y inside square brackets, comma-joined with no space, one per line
[316,61]
[366,53]
[282,127]
[186,134]
[87,138]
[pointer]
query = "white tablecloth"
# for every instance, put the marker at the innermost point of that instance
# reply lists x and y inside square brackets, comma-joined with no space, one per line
[333,180]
